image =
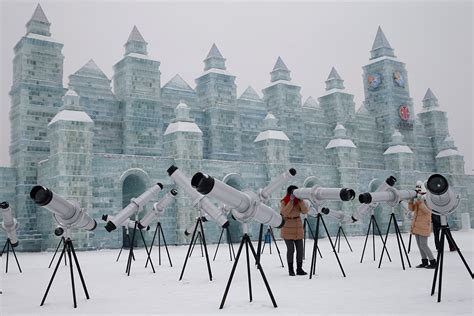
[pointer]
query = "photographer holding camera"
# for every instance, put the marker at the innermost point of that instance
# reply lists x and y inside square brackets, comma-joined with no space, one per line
[421,226]
[292,232]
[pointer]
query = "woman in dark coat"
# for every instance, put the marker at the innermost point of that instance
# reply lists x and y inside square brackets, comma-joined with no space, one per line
[292,232]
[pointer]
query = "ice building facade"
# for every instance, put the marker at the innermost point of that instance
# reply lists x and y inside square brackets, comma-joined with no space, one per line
[102,145]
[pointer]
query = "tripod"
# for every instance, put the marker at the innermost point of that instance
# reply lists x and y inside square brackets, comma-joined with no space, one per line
[272,237]
[306,224]
[130,254]
[69,248]
[229,242]
[8,245]
[61,241]
[193,242]
[248,243]
[319,218]
[159,231]
[399,240]
[127,235]
[198,236]
[440,257]
[373,224]
[338,238]
[409,243]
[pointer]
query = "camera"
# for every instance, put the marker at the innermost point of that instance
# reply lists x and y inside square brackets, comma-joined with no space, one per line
[66,213]
[10,224]
[245,205]
[135,205]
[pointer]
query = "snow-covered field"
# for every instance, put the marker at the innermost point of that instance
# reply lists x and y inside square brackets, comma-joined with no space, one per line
[365,290]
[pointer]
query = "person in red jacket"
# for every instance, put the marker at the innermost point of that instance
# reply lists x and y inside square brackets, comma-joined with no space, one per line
[292,232]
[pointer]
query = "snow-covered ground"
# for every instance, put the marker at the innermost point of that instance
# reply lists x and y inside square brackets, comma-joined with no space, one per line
[365,290]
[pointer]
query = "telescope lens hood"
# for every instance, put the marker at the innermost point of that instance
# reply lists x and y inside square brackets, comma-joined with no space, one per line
[282,223]
[292,171]
[347,194]
[4,205]
[325,210]
[437,184]
[391,181]
[15,244]
[174,192]
[105,217]
[95,225]
[58,231]
[171,170]
[202,182]
[226,224]
[365,198]
[41,195]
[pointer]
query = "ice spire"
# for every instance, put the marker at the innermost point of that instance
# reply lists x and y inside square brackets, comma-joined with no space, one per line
[135,43]
[430,101]
[280,71]
[214,59]
[381,46]
[334,81]
[38,24]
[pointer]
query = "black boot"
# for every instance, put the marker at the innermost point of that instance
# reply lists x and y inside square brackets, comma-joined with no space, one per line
[299,269]
[291,271]
[432,264]
[424,263]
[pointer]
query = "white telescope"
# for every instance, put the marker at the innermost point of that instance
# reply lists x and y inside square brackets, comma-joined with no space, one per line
[318,195]
[391,196]
[135,205]
[439,196]
[276,183]
[158,209]
[365,208]
[10,224]
[66,213]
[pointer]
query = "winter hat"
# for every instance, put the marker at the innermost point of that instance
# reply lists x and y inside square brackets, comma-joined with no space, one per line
[420,186]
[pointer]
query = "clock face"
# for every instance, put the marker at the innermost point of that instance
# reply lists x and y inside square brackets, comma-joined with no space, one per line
[404,113]
[374,80]
[398,79]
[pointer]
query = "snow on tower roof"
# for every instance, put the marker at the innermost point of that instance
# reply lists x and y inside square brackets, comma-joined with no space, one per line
[340,142]
[41,37]
[39,15]
[250,94]
[362,109]
[448,153]
[71,93]
[334,75]
[73,116]
[214,52]
[429,95]
[380,40]
[177,83]
[135,35]
[310,103]
[91,69]
[188,127]
[397,149]
[270,116]
[271,134]
[280,65]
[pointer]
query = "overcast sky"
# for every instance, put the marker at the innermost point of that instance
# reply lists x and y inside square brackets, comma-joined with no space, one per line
[434,39]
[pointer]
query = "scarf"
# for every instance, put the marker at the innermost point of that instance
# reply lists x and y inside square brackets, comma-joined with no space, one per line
[287,199]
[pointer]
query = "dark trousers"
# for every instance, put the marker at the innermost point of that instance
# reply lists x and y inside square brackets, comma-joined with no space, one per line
[290,250]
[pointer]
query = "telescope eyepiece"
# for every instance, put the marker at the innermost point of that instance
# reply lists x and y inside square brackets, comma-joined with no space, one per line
[437,184]
[110,226]
[325,210]
[174,192]
[41,195]
[104,217]
[347,194]
[292,171]
[202,183]
[4,205]
[171,170]
[365,198]
[58,231]
[391,180]
[282,223]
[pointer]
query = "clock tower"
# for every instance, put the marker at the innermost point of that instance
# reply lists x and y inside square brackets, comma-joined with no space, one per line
[387,95]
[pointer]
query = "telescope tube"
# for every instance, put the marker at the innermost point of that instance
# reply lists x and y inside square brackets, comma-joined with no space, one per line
[158,209]
[10,224]
[276,183]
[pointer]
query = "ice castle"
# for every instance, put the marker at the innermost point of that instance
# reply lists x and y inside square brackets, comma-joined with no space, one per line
[102,145]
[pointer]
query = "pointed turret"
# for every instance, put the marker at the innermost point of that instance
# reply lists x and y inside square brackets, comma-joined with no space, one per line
[250,94]
[38,24]
[334,81]
[177,83]
[71,101]
[310,103]
[397,145]
[280,71]
[271,143]
[271,130]
[381,46]
[135,43]
[340,138]
[449,159]
[430,101]
[214,59]
[90,69]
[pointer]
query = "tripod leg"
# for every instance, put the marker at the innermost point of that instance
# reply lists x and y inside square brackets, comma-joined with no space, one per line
[120,252]
[438,257]
[385,241]
[200,241]
[52,259]
[218,243]
[312,235]
[159,247]
[398,242]
[304,238]
[365,243]
[231,246]
[203,240]
[381,238]
[333,247]
[342,230]
[248,270]
[402,242]
[194,243]
[409,243]
[373,236]
[315,247]
[147,252]
[16,259]
[262,273]
[189,250]
[152,243]
[452,242]
[263,247]
[239,251]
[54,274]
[166,246]
[270,243]
[130,254]
[443,234]
[276,246]
[259,249]
[78,267]
[72,273]
[8,252]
